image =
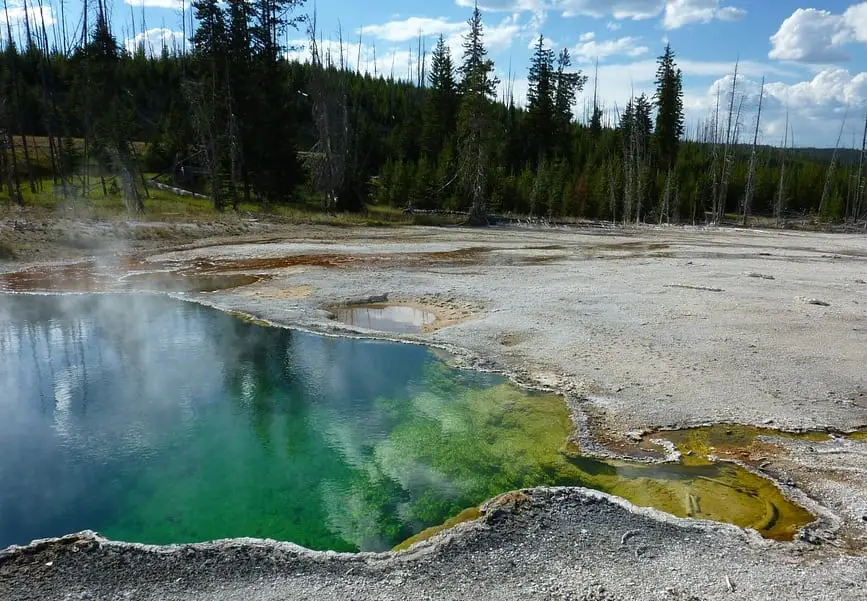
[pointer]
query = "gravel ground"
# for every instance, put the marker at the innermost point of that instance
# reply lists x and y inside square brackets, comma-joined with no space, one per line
[649,328]
[661,328]
[558,544]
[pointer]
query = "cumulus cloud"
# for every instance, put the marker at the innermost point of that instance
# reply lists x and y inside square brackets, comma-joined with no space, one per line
[154,40]
[679,13]
[507,5]
[830,86]
[731,13]
[501,35]
[546,43]
[856,18]
[173,4]
[370,59]
[497,36]
[812,104]
[674,13]
[589,49]
[812,35]
[619,9]
[411,28]
[16,15]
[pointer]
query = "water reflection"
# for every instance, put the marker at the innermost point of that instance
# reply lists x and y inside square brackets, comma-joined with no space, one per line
[155,420]
[402,319]
[160,421]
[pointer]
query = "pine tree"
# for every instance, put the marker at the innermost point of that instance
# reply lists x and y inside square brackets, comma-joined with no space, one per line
[112,127]
[596,118]
[669,104]
[275,171]
[478,89]
[636,119]
[567,86]
[440,101]
[206,95]
[540,99]
[238,95]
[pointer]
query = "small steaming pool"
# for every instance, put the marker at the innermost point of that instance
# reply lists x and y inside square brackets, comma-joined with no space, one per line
[401,319]
[155,420]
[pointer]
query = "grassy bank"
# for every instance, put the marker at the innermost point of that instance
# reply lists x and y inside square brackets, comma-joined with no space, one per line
[161,205]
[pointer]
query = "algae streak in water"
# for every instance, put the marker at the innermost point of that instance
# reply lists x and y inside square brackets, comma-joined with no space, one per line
[154,420]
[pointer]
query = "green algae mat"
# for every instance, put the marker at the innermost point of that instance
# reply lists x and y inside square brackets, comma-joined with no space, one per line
[154,420]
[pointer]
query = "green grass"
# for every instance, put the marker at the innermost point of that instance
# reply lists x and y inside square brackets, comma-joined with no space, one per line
[48,198]
[6,251]
[166,206]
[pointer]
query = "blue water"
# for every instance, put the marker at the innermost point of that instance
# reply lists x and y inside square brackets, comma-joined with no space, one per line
[156,420]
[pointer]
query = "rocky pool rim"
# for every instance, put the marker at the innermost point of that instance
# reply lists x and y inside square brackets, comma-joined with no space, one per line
[460,358]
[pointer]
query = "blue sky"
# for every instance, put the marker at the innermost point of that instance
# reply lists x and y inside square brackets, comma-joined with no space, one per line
[813,53]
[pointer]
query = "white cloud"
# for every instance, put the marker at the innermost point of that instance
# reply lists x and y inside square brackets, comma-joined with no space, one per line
[173,4]
[546,43]
[819,36]
[856,19]
[816,106]
[613,26]
[155,39]
[618,81]
[814,103]
[679,13]
[586,37]
[16,15]
[619,9]
[517,87]
[501,36]
[498,36]
[811,35]
[830,86]
[674,13]
[730,13]
[411,28]
[379,60]
[507,5]
[589,49]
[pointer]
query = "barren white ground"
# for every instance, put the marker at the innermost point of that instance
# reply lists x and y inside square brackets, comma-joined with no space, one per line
[647,328]
[661,328]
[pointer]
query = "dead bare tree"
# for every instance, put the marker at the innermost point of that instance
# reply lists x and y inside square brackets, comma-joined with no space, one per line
[203,119]
[860,211]
[327,159]
[832,166]
[358,53]
[86,69]
[16,92]
[50,100]
[751,173]
[715,158]
[728,159]
[780,204]
[635,166]
[13,180]
[668,192]
[131,194]
[65,46]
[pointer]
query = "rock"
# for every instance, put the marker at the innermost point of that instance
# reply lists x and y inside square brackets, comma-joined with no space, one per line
[634,436]
[818,302]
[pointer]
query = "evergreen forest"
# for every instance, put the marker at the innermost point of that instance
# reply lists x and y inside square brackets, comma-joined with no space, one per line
[233,119]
